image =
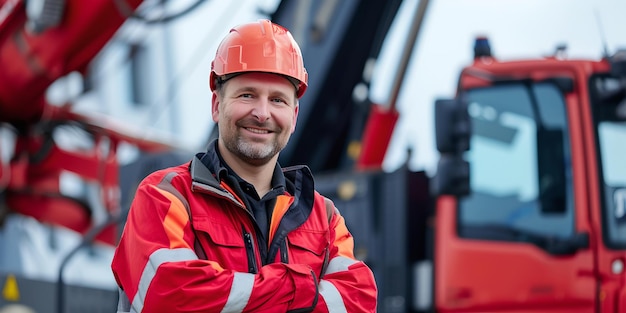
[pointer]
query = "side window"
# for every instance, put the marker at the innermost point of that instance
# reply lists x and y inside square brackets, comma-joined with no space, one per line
[519,165]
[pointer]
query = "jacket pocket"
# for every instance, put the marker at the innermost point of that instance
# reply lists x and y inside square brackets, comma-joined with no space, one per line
[308,247]
[222,243]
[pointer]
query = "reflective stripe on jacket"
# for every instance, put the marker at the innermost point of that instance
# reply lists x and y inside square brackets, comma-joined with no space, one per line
[157,264]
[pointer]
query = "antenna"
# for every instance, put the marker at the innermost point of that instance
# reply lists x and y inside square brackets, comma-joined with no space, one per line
[602,36]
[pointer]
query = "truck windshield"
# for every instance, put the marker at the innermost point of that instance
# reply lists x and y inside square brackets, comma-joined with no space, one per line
[608,98]
[520,165]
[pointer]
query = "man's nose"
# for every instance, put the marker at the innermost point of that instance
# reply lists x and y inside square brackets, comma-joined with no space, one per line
[262,110]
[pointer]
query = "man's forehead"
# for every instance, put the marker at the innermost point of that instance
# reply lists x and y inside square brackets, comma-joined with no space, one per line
[257,79]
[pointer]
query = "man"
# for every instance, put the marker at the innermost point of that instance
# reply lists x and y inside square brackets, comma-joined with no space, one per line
[232,231]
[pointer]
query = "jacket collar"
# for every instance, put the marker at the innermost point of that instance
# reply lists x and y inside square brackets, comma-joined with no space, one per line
[206,172]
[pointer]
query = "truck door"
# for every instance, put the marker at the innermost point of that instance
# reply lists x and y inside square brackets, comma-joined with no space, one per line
[519,242]
[607,186]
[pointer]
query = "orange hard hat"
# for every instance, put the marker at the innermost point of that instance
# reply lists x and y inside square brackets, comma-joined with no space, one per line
[260,46]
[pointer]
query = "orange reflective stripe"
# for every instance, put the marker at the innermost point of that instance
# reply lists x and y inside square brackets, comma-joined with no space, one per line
[232,192]
[343,240]
[282,204]
[175,221]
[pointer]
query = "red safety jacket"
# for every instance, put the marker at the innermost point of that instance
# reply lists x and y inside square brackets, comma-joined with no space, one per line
[164,263]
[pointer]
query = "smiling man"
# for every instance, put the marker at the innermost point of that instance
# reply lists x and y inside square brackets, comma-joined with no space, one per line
[231,230]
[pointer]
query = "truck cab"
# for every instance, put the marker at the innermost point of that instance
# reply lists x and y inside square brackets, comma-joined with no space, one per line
[531,187]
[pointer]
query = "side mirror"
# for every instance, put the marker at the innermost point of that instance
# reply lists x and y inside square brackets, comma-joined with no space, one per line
[453,176]
[452,126]
[453,132]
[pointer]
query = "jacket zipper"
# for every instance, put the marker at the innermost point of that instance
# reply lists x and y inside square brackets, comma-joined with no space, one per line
[284,253]
[249,241]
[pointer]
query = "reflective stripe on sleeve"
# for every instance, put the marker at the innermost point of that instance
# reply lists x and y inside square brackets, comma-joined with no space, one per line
[157,258]
[123,305]
[339,264]
[332,297]
[175,220]
[239,293]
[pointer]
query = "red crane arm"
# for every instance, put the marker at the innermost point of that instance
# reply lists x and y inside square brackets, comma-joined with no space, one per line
[30,62]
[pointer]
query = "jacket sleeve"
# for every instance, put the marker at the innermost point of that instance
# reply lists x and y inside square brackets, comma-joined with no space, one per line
[346,283]
[156,267]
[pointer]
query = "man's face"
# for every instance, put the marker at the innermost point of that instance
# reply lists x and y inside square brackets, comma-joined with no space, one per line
[256,114]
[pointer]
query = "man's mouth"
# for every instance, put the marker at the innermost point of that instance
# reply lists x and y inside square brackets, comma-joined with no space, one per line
[257,130]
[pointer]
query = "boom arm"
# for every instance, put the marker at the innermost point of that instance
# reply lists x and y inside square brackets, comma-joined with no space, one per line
[31,61]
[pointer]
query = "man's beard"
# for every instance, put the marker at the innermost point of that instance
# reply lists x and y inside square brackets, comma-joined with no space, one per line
[253,152]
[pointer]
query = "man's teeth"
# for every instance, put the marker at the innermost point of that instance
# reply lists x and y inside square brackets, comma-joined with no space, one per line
[258,131]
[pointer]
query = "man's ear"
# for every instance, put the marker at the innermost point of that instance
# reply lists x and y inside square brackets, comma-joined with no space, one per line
[215,106]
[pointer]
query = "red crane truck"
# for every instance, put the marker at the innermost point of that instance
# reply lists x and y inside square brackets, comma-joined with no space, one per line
[526,212]
[530,208]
